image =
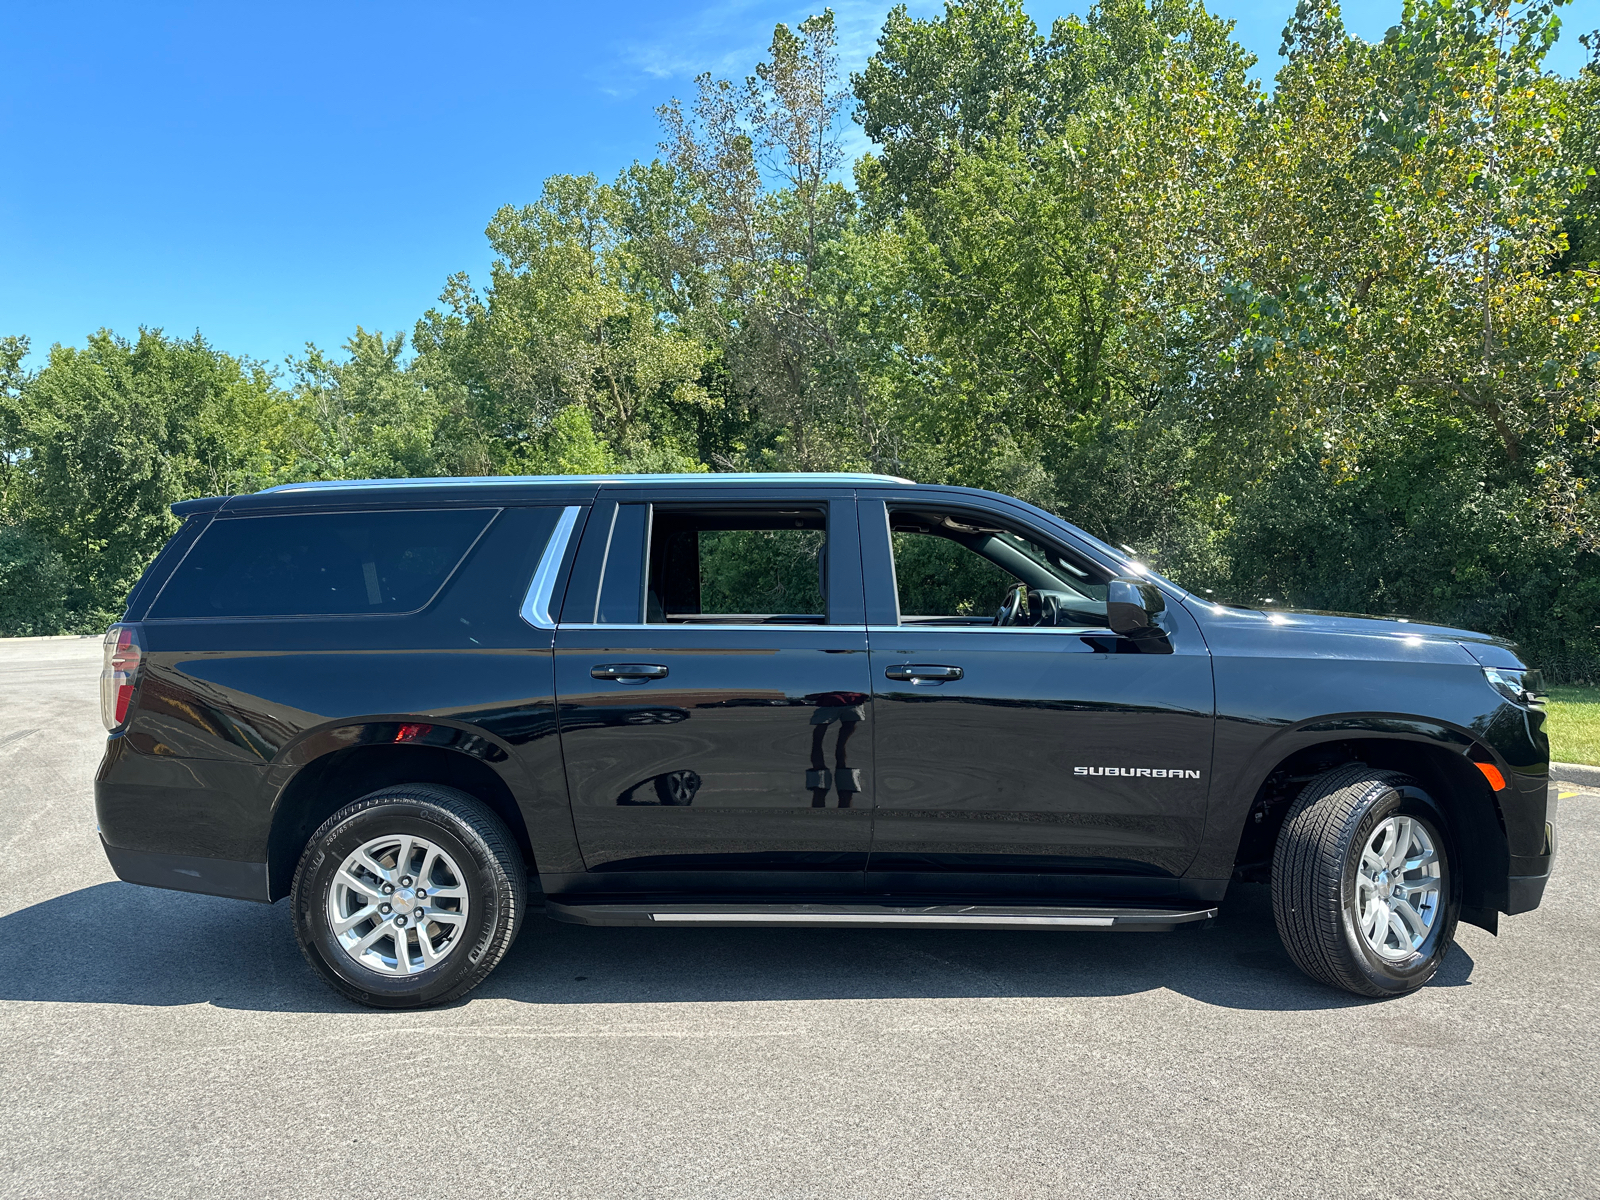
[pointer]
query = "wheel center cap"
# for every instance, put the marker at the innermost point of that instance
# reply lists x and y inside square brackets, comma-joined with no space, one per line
[402,901]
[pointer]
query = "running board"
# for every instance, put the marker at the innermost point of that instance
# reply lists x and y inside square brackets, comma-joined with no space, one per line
[922,916]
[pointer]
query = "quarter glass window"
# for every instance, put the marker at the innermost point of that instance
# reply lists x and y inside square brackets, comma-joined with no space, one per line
[320,564]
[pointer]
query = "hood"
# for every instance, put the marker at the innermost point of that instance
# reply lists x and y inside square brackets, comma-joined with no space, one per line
[1487,649]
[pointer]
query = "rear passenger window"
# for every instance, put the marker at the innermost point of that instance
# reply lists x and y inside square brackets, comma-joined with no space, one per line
[730,567]
[320,564]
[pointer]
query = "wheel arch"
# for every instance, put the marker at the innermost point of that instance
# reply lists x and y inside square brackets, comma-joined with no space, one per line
[337,766]
[1442,759]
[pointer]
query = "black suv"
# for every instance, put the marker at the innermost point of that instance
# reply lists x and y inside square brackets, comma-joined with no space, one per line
[786,700]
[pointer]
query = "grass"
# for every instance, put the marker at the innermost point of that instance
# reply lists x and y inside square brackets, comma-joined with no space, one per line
[1574,725]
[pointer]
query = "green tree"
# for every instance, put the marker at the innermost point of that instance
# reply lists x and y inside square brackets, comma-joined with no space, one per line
[571,317]
[102,440]
[789,310]
[1580,149]
[34,586]
[12,450]
[371,415]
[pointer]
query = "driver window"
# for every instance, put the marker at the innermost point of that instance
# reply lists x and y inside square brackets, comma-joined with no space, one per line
[936,577]
[954,569]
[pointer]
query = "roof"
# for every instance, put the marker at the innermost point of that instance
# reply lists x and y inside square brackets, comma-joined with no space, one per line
[699,480]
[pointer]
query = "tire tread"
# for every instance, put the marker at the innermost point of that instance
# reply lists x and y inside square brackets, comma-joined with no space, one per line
[1308,871]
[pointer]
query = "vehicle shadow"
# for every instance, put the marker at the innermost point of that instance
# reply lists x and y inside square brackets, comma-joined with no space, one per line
[119,944]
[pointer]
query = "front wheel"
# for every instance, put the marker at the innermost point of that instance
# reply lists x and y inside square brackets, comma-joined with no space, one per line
[408,897]
[1363,887]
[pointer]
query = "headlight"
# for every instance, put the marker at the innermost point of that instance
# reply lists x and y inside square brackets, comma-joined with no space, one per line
[1523,687]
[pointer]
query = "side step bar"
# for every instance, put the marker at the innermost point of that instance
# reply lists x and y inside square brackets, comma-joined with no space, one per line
[923,916]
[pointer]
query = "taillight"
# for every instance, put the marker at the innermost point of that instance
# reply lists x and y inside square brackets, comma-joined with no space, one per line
[119,675]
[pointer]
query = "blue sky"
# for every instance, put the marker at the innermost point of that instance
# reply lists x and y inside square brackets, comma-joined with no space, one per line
[273,174]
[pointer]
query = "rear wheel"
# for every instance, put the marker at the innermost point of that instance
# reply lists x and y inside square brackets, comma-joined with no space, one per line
[408,897]
[1363,887]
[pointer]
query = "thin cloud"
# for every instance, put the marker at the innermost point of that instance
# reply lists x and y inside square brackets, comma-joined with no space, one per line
[729,37]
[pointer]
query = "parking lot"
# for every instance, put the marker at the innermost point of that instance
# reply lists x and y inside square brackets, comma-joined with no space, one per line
[161,1044]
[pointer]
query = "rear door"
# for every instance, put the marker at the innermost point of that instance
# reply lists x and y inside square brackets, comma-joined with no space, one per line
[1044,757]
[713,692]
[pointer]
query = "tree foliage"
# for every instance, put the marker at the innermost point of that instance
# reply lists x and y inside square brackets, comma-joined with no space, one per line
[1335,344]
[101,441]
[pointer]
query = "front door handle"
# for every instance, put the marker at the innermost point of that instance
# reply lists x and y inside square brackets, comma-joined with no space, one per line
[915,672]
[628,672]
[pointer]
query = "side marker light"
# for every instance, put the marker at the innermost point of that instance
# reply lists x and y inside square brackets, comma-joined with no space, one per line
[1492,773]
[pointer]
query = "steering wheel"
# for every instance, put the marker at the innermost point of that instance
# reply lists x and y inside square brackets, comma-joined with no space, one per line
[1013,606]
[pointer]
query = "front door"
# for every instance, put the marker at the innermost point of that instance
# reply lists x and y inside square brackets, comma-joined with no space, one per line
[713,694]
[1021,747]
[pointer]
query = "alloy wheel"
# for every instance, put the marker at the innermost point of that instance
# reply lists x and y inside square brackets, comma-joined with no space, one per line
[1398,887]
[398,905]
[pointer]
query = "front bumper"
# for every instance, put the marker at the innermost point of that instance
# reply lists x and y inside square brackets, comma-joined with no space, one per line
[1524,892]
[1525,887]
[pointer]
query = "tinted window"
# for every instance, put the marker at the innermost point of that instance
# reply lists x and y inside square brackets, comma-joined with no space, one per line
[737,566]
[321,564]
[956,569]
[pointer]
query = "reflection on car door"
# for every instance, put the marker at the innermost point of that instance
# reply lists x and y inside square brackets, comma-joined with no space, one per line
[1031,761]
[707,753]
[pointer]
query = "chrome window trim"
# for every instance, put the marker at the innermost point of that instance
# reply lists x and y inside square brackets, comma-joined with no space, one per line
[704,625]
[536,604]
[1079,630]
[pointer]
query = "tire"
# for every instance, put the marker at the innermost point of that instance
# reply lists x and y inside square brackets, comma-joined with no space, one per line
[479,900]
[1327,884]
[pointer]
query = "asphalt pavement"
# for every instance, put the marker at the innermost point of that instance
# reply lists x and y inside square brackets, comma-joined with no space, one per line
[160,1044]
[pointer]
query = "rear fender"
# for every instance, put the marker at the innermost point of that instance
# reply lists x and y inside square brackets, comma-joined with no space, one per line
[393,731]
[329,767]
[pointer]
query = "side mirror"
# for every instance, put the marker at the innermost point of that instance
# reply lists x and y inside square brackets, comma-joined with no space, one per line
[1131,607]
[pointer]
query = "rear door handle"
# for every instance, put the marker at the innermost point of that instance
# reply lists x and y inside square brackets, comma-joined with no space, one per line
[912,672]
[628,672]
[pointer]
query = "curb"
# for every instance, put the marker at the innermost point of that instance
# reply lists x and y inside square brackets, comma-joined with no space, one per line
[55,637]
[1576,773]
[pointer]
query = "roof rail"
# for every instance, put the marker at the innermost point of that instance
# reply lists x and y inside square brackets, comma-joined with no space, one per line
[491,480]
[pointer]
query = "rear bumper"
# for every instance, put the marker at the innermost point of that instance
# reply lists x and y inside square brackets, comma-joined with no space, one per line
[188,873]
